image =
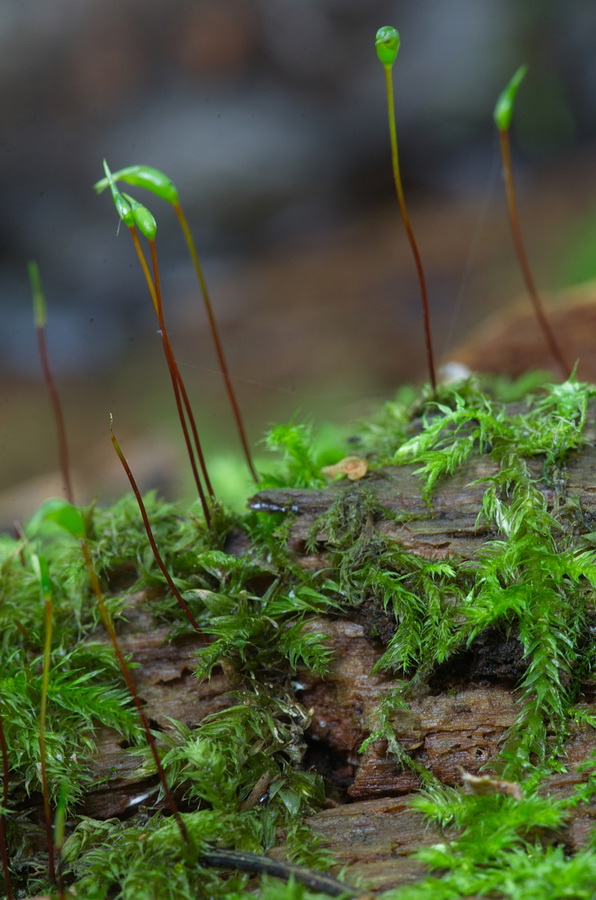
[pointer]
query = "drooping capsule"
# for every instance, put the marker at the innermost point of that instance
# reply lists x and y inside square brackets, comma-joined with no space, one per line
[146,177]
[143,218]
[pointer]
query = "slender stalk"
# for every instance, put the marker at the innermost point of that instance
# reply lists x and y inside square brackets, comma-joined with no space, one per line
[387,44]
[176,370]
[158,559]
[47,595]
[522,258]
[59,823]
[411,239]
[180,395]
[109,626]
[139,250]
[40,327]
[3,839]
[215,337]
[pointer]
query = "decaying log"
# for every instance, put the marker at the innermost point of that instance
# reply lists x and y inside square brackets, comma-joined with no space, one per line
[169,690]
[456,724]
[459,724]
[445,526]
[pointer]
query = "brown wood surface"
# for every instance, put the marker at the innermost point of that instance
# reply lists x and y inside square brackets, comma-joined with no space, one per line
[457,725]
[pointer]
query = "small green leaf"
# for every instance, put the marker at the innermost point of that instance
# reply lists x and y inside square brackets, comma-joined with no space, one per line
[387,42]
[504,107]
[122,207]
[147,177]
[144,220]
[66,515]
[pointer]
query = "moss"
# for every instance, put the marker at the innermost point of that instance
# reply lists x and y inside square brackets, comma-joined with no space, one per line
[534,582]
[494,845]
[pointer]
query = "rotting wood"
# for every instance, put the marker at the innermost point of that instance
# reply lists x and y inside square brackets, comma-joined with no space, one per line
[460,723]
[457,724]
[445,526]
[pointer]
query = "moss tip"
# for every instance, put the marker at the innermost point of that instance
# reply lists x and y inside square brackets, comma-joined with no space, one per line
[387,43]
[504,105]
[39,302]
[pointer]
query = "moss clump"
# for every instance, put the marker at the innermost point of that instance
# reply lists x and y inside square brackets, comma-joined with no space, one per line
[533,580]
[239,774]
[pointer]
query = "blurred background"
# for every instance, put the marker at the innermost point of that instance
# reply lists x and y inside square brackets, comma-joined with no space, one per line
[270,117]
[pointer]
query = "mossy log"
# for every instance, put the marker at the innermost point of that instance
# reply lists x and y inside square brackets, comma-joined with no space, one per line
[455,719]
[446,526]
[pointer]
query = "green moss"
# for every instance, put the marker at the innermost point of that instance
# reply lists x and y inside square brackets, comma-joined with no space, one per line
[499,845]
[303,454]
[535,580]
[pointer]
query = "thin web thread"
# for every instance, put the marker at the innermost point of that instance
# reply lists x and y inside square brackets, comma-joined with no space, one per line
[487,196]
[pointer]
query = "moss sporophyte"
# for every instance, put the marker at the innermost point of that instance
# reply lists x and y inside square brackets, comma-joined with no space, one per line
[183,694]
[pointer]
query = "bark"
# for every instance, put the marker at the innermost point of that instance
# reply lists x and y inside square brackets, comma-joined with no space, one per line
[457,725]
[454,724]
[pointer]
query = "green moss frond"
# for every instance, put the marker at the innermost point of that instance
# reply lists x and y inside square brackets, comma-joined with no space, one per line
[531,580]
[496,844]
[303,454]
[468,419]
[235,747]
[147,859]
[84,690]
[300,466]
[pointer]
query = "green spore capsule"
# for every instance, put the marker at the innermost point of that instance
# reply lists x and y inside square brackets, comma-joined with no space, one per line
[146,177]
[122,207]
[143,219]
[387,44]
[504,107]
[39,301]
